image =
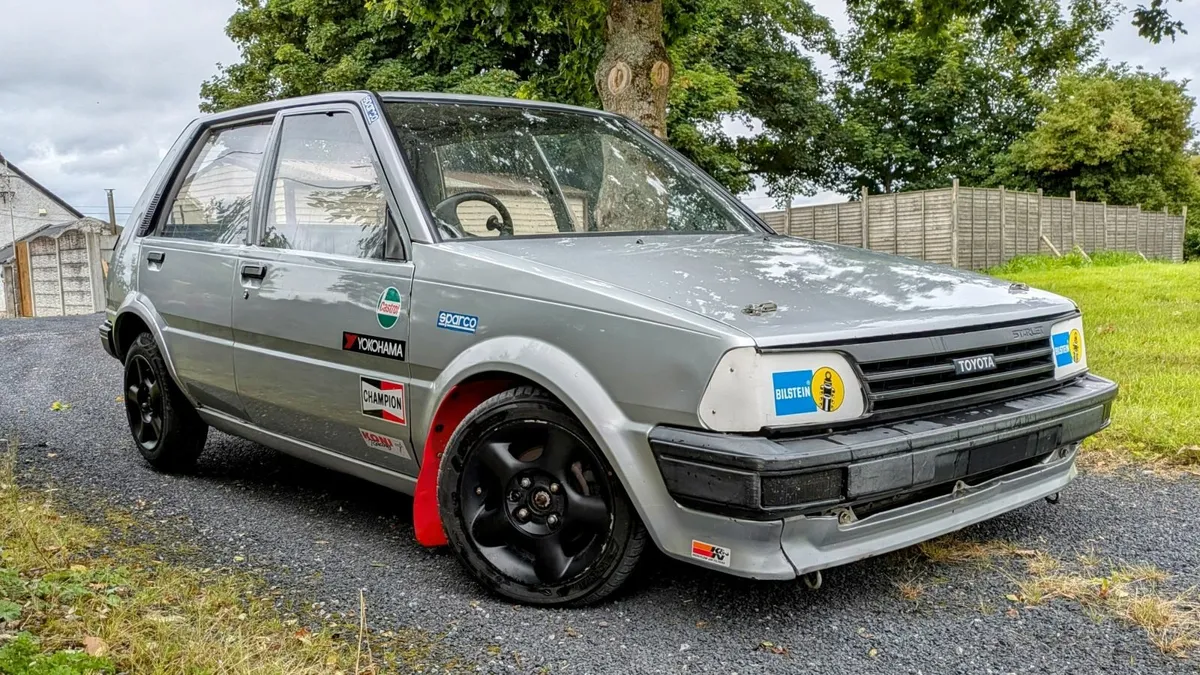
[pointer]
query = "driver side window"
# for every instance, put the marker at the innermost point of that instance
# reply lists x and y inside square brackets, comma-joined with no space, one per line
[325,194]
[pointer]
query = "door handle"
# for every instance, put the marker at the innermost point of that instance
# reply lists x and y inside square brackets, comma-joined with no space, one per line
[156,257]
[254,271]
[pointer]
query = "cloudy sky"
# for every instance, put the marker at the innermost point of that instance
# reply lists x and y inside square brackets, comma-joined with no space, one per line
[93,93]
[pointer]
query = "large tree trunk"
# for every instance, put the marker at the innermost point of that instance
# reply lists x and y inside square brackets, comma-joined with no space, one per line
[633,79]
[634,75]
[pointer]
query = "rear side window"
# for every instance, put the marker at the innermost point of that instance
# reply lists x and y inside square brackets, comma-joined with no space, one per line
[213,202]
[325,194]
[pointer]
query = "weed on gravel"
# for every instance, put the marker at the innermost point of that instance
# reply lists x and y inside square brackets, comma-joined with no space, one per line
[75,599]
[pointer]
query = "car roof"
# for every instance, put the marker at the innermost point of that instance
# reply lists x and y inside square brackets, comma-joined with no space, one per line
[388,97]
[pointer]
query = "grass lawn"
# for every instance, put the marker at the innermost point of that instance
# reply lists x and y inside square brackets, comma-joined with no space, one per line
[76,598]
[1142,329]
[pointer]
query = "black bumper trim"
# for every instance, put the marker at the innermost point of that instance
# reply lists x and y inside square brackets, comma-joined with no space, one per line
[749,473]
[106,336]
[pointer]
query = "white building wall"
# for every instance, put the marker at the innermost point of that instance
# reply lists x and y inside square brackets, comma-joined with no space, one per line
[27,205]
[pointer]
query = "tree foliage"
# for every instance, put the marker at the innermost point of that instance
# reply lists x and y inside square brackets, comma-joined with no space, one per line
[1154,22]
[733,60]
[930,91]
[1112,134]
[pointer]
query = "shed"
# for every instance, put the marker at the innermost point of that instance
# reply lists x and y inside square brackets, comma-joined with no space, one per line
[57,269]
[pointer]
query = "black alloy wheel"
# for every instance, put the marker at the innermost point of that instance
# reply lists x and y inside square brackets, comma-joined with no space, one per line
[143,403]
[530,504]
[168,431]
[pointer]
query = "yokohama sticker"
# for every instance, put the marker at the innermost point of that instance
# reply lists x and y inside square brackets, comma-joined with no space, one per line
[375,346]
[383,443]
[382,399]
[711,553]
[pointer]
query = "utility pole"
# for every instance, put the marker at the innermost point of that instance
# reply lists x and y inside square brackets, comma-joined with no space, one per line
[112,211]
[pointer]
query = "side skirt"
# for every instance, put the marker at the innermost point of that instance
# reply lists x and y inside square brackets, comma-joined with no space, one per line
[309,452]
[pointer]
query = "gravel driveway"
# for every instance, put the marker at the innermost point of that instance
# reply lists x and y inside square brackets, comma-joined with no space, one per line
[325,537]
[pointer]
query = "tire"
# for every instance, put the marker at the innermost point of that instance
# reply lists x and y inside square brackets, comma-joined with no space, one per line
[165,426]
[501,528]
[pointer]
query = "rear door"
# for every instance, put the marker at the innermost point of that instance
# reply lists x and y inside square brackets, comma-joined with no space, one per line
[320,315]
[186,263]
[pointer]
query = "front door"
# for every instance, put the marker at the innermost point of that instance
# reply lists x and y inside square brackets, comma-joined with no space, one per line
[320,315]
[186,263]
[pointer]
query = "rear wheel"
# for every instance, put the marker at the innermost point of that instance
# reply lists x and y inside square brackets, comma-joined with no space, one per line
[531,507]
[167,430]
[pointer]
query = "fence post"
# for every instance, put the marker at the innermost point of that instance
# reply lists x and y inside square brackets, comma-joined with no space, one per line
[866,210]
[787,217]
[1003,226]
[896,223]
[924,228]
[1074,243]
[954,224]
[1182,233]
[1104,222]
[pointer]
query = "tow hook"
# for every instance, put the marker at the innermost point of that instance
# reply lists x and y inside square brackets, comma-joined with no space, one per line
[960,489]
[1053,499]
[813,580]
[845,515]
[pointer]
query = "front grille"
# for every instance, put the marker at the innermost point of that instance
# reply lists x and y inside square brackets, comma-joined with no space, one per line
[906,385]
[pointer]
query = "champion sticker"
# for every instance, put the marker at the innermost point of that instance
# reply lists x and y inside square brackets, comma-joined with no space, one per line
[805,391]
[375,346]
[382,400]
[387,310]
[711,552]
[384,443]
[463,323]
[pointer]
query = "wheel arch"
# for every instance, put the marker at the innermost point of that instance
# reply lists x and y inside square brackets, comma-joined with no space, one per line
[135,316]
[485,370]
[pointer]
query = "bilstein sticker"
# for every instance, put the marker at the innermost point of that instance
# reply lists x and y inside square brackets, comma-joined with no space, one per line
[382,399]
[463,323]
[375,346]
[387,310]
[712,553]
[384,443]
[1068,347]
[797,392]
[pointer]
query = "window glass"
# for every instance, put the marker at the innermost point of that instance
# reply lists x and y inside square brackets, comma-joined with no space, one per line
[325,195]
[554,172]
[213,203]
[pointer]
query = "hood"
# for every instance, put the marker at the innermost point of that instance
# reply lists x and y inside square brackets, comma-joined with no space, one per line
[823,292]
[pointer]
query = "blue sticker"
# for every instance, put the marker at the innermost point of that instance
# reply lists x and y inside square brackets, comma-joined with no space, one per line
[1062,349]
[463,323]
[369,107]
[793,392]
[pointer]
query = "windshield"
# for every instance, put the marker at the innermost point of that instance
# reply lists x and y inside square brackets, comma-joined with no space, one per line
[501,170]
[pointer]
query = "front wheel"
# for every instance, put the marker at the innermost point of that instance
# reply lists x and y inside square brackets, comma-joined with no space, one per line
[167,430]
[531,507]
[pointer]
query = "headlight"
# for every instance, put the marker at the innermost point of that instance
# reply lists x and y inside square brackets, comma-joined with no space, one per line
[749,391]
[1070,355]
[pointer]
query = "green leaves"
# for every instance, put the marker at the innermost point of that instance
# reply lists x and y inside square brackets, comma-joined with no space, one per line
[9,610]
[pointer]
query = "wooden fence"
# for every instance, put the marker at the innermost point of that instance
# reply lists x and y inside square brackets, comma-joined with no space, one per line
[977,228]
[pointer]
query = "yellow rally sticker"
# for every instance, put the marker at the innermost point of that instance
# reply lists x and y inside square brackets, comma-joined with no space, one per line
[827,389]
[1076,345]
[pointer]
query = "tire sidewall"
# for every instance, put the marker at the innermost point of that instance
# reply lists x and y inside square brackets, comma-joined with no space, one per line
[464,440]
[145,347]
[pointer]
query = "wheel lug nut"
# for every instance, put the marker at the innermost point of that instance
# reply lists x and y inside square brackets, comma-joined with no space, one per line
[478,491]
[522,514]
[525,482]
[552,520]
[554,488]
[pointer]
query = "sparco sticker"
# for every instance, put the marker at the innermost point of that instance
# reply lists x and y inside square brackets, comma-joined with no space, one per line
[375,346]
[382,399]
[387,310]
[463,323]
[712,553]
[385,443]
[369,108]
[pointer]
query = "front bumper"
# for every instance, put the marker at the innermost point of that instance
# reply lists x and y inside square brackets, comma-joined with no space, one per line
[784,507]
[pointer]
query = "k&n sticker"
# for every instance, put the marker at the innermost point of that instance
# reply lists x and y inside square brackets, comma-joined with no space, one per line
[711,553]
[382,399]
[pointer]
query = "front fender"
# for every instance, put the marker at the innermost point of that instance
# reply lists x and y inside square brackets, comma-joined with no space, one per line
[137,304]
[480,371]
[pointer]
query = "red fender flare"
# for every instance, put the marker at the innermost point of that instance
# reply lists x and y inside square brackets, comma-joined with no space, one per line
[458,403]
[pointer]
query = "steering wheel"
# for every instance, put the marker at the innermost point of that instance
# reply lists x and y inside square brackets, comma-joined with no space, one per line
[446,212]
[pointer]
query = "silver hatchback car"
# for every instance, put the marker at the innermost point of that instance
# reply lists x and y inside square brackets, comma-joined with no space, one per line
[566,341]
